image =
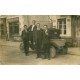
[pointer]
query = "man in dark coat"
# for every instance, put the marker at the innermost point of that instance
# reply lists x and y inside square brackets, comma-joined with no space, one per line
[25,38]
[46,43]
[39,40]
[32,34]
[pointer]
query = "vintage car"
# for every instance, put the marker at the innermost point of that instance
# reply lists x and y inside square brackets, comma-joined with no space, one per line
[58,45]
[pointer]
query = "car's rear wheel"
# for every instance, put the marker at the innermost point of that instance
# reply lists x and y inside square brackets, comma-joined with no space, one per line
[52,52]
[65,50]
[22,47]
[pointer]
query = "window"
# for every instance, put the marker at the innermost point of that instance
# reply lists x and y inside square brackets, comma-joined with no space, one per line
[14,28]
[62,26]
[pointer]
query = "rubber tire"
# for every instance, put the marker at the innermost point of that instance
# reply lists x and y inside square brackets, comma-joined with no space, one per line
[65,50]
[52,52]
[22,47]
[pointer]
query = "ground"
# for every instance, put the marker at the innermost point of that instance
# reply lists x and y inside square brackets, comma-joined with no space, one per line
[11,54]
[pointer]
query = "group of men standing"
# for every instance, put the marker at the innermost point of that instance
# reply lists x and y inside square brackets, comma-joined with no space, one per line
[37,39]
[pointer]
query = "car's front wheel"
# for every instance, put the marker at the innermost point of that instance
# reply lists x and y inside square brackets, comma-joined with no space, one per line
[52,52]
[21,47]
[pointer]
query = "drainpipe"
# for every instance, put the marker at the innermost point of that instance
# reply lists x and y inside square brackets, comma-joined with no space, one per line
[28,20]
[7,25]
[0,27]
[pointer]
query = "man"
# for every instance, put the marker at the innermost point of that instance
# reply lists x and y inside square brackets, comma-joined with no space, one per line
[39,40]
[32,34]
[25,38]
[46,43]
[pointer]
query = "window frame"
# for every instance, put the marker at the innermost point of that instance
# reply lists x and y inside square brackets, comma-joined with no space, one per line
[62,24]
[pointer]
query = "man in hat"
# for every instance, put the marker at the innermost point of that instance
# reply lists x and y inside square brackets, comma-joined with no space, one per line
[39,40]
[46,43]
[25,38]
[32,34]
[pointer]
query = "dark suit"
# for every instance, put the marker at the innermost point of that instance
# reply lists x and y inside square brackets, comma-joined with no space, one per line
[46,44]
[32,35]
[25,38]
[39,42]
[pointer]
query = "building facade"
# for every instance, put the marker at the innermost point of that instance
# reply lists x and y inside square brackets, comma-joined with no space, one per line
[12,25]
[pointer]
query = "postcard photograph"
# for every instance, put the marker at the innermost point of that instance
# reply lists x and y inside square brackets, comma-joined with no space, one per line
[39,39]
